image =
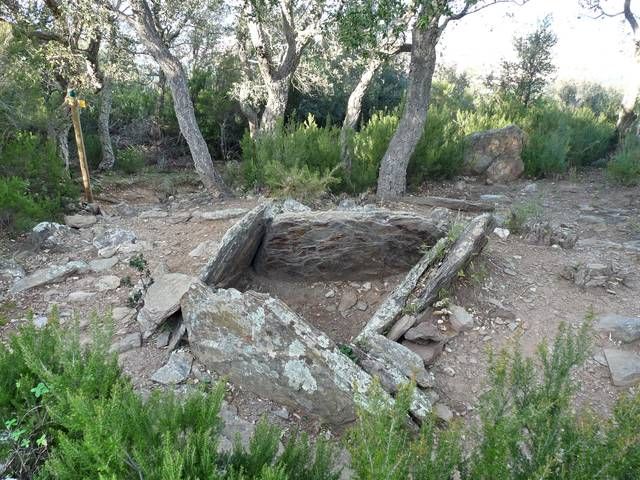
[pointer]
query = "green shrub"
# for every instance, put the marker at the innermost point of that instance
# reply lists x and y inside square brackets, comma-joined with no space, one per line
[624,167]
[18,210]
[591,137]
[93,149]
[549,139]
[68,412]
[291,157]
[521,213]
[130,160]
[368,147]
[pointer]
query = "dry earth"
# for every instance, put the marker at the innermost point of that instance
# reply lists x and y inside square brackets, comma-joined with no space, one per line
[514,289]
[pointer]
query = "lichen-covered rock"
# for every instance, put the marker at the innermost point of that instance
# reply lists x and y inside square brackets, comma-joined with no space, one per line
[495,154]
[53,236]
[113,237]
[262,345]
[161,300]
[237,249]
[345,244]
[52,274]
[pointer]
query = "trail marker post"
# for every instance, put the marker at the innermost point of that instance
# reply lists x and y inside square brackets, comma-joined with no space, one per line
[75,104]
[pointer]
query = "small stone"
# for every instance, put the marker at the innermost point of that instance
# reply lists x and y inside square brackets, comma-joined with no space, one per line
[176,370]
[460,319]
[330,294]
[624,367]
[79,297]
[40,321]
[347,301]
[108,282]
[126,343]
[530,188]
[162,340]
[503,233]
[282,413]
[80,221]
[449,371]
[291,205]
[122,314]
[102,264]
[361,305]
[443,412]
[510,272]
[424,332]
[428,352]
[366,286]
[401,326]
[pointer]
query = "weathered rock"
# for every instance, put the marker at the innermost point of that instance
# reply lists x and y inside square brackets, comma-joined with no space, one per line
[495,154]
[502,233]
[624,367]
[126,343]
[125,210]
[208,248]
[176,370]
[550,233]
[237,249]
[401,326]
[345,244]
[455,204]
[220,214]
[122,314]
[52,236]
[424,332]
[80,296]
[161,300]
[268,349]
[394,354]
[348,300]
[108,282]
[594,275]
[52,274]
[291,205]
[235,429]
[443,412]
[494,198]
[40,321]
[11,269]
[427,351]
[623,328]
[102,264]
[113,237]
[460,319]
[530,188]
[80,221]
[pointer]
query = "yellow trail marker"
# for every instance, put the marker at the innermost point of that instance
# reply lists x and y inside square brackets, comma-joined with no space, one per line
[75,105]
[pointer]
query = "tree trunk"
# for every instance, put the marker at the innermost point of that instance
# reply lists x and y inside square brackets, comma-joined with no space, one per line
[392,178]
[177,80]
[62,141]
[627,115]
[278,94]
[354,108]
[108,157]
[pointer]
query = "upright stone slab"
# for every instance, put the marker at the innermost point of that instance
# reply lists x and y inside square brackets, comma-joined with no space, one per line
[237,249]
[264,346]
[335,244]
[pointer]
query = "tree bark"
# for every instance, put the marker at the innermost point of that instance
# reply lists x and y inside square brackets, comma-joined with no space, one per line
[183,106]
[392,178]
[354,108]
[627,115]
[108,157]
[62,141]
[278,94]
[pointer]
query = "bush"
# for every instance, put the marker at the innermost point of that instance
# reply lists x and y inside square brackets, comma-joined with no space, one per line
[624,167]
[130,160]
[528,428]
[287,158]
[69,413]
[33,181]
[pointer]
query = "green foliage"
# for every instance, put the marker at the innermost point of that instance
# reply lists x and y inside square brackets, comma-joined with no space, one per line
[521,213]
[33,182]
[68,412]
[298,160]
[130,160]
[93,150]
[624,167]
[138,262]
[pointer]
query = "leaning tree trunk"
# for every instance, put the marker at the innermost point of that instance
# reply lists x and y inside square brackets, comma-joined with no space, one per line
[392,178]
[277,96]
[177,80]
[354,108]
[106,95]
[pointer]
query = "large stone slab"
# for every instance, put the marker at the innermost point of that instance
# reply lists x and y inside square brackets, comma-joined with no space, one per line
[336,244]
[53,236]
[495,154]
[624,367]
[52,274]
[161,300]
[262,345]
[237,249]
[623,328]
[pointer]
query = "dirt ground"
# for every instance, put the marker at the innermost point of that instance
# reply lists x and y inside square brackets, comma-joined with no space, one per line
[514,289]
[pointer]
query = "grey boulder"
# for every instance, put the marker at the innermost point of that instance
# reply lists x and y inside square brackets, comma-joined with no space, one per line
[495,154]
[623,328]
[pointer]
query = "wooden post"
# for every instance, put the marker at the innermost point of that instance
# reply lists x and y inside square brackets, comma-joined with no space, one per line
[72,100]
